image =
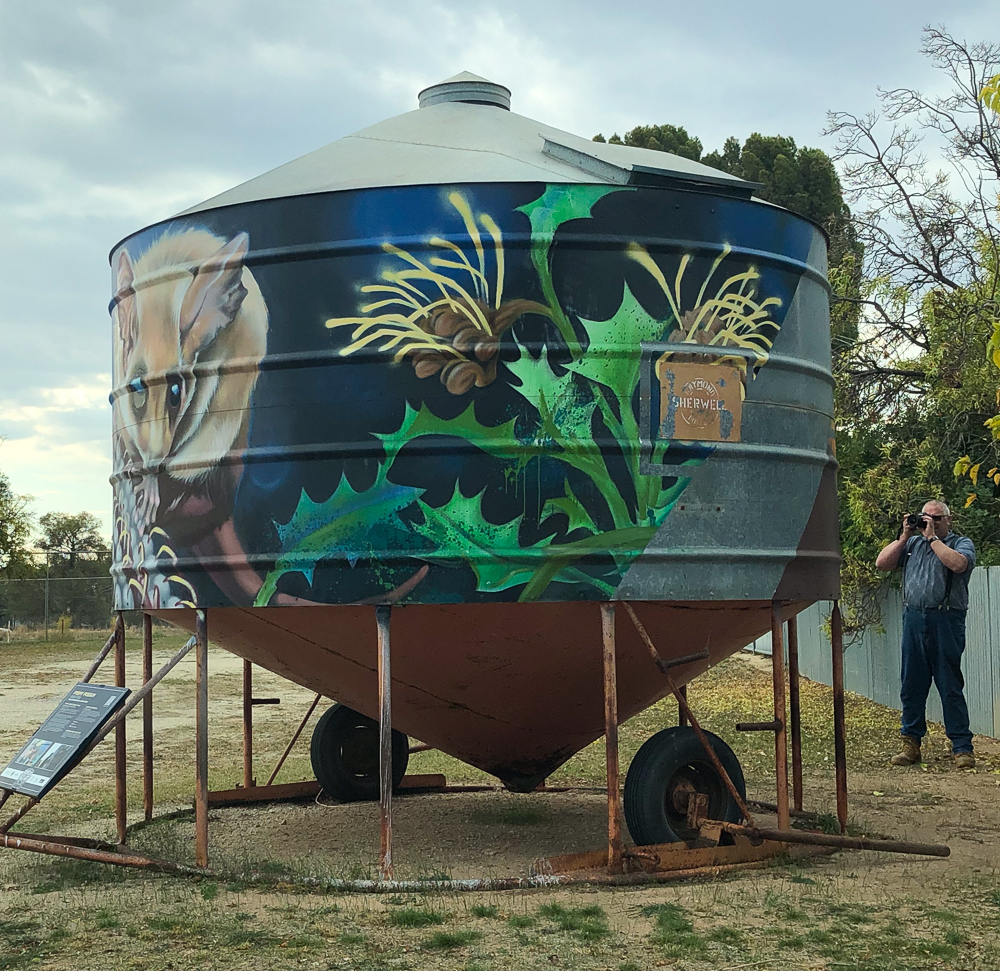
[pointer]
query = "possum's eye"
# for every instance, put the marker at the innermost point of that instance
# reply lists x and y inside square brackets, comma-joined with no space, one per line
[138,396]
[175,391]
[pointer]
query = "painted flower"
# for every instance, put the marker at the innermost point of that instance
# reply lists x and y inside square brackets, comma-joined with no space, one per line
[446,315]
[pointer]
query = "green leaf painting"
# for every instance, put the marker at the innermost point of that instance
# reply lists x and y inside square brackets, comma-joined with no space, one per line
[571,411]
[556,205]
[343,526]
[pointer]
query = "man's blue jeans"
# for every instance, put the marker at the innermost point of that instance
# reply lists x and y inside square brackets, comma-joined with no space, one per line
[933,643]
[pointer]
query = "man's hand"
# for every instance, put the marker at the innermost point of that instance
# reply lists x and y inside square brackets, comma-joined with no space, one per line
[888,559]
[929,530]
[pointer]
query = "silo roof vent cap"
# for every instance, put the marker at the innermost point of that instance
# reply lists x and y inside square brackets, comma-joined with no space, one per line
[467,88]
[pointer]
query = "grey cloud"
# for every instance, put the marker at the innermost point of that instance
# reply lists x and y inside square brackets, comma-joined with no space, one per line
[114,115]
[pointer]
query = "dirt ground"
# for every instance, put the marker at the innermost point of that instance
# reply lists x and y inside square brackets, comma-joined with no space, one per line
[857,910]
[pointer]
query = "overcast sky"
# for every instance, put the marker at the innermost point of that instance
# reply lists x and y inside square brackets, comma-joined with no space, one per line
[116,115]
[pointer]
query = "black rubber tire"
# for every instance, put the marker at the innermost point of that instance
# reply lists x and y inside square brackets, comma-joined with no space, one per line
[344,753]
[670,762]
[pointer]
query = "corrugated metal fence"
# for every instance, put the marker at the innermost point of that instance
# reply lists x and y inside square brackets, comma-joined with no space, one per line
[871,660]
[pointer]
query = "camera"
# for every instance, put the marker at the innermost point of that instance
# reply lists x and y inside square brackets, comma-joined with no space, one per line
[916,522]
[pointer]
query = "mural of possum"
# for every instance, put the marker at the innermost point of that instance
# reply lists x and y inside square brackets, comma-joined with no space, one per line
[192,330]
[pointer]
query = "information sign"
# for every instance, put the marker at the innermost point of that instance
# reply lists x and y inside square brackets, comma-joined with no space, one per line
[64,736]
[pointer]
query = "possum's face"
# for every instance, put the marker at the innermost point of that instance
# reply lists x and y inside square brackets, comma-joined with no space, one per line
[166,328]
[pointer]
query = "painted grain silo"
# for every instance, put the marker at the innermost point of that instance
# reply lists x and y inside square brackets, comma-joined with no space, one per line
[491,373]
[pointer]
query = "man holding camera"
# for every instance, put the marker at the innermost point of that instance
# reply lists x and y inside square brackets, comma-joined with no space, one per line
[936,565]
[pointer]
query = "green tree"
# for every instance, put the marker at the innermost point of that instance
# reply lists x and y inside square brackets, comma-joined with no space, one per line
[804,180]
[915,389]
[71,536]
[15,529]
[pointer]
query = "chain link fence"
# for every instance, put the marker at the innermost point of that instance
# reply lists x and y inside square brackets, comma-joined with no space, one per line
[58,604]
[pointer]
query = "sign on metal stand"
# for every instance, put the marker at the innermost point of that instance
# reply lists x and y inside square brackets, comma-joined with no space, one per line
[62,739]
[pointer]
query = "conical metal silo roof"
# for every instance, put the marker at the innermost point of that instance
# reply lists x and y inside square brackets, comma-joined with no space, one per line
[465,132]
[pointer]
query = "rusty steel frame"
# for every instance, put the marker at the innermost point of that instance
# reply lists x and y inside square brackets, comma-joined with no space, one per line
[111,726]
[201,740]
[121,789]
[795,711]
[836,842]
[147,718]
[99,660]
[383,615]
[617,860]
[614,856]
[294,739]
[839,714]
[248,779]
[780,715]
[683,705]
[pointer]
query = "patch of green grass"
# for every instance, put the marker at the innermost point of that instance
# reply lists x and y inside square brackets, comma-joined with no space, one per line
[167,924]
[511,813]
[106,919]
[588,923]
[849,914]
[725,935]
[674,931]
[938,950]
[448,940]
[415,917]
[22,944]
[484,910]
[521,921]
[941,916]
[69,874]
[208,891]
[352,937]
[245,937]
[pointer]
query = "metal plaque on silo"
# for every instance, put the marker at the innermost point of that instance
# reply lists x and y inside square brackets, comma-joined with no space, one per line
[699,402]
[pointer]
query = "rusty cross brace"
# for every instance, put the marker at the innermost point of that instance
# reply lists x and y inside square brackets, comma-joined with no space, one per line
[99,660]
[686,708]
[295,738]
[838,842]
[30,804]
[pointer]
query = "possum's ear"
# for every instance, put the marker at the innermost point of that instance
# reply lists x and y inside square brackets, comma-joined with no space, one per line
[125,310]
[215,296]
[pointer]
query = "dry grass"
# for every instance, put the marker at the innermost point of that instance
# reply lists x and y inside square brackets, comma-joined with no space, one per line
[845,912]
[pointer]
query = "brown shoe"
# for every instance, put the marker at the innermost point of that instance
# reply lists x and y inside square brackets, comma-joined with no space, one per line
[910,753]
[965,760]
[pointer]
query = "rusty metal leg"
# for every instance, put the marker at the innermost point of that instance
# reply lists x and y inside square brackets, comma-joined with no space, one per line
[795,711]
[611,738]
[682,718]
[780,716]
[147,718]
[201,740]
[839,716]
[382,615]
[248,779]
[121,795]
